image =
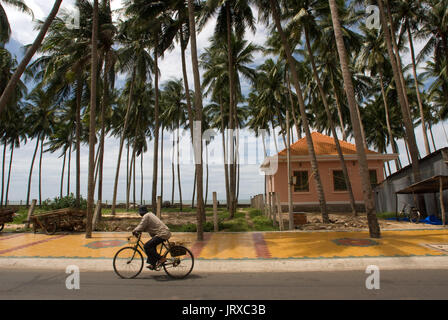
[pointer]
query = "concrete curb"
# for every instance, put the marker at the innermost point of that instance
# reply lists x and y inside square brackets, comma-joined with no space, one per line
[234,266]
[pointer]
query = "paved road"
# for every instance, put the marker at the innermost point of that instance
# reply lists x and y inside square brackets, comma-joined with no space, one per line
[50,284]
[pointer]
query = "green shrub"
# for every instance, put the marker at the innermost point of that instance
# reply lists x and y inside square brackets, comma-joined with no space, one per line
[255,213]
[262,223]
[64,202]
[234,225]
[386,215]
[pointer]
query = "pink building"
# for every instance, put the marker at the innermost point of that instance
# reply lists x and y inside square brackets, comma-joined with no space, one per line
[304,194]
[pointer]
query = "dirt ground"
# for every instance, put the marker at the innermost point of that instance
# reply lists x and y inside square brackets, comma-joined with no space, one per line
[347,222]
[339,222]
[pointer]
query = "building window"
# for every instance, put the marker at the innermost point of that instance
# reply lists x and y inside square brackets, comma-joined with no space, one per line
[373,178]
[301,181]
[339,181]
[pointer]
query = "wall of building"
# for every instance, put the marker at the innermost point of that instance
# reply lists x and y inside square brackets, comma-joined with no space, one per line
[430,166]
[336,200]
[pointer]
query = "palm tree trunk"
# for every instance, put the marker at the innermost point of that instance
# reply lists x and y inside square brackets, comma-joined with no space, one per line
[194,188]
[291,100]
[120,150]
[78,141]
[339,108]
[331,124]
[417,90]
[9,174]
[133,193]
[62,174]
[128,179]
[3,172]
[92,125]
[305,124]
[224,150]
[131,170]
[274,136]
[374,227]
[185,77]
[389,130]
[141,178]
[409,129]
[231,112]
[69,167]
[31,170]
[178,168]
[161,166]
[432,136]
[40,169]
[396,51]
[12,84]
[172,170]
[104,103]
[206,174]
[198,108]
[156,128]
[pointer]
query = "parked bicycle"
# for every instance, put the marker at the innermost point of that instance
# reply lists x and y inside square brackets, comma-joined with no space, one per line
[412,214]
[128,261]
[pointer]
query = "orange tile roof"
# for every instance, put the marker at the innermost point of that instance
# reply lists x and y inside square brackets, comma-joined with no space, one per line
[323,145]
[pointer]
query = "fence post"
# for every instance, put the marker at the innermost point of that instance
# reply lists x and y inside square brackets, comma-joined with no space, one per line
[215,213]
[30,212]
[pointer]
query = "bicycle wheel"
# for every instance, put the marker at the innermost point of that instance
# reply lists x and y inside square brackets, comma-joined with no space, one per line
[179,262]
[128,263]
[51,228]
[414,216]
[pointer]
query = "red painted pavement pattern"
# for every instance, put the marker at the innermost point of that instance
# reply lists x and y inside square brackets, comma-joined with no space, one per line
[10,237]
[30,244]
[260,246]
[197,247]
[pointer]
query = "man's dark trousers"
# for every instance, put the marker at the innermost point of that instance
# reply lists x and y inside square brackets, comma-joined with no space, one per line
[151,251]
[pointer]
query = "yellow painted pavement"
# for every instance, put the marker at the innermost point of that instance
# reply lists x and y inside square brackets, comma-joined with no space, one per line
[235,245]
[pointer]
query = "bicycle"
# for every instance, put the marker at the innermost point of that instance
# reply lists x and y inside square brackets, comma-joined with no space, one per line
[413,214]
[128,261]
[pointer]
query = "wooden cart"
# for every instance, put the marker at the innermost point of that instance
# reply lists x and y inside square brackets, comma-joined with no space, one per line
[52,221]
[6,215]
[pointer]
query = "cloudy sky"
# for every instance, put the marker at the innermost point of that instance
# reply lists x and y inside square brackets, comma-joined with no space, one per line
[23,32]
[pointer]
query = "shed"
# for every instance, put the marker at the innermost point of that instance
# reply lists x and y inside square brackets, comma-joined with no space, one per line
[432,185]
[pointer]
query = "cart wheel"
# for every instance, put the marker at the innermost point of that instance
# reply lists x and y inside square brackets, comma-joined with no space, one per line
[2,226]
[51,228]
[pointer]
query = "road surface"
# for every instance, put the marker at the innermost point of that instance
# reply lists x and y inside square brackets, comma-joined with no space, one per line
[394,284]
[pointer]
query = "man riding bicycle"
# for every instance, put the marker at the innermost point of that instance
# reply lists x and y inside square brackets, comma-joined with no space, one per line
[159,233]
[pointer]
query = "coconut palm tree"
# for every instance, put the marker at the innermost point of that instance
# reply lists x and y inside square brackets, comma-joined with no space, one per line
[233,17]
[40,123]
[200,213]
[399,83]
[5,28]
[92,123]
[374,227]
[28,56]
[136,61]
[270,9]
[372,58]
